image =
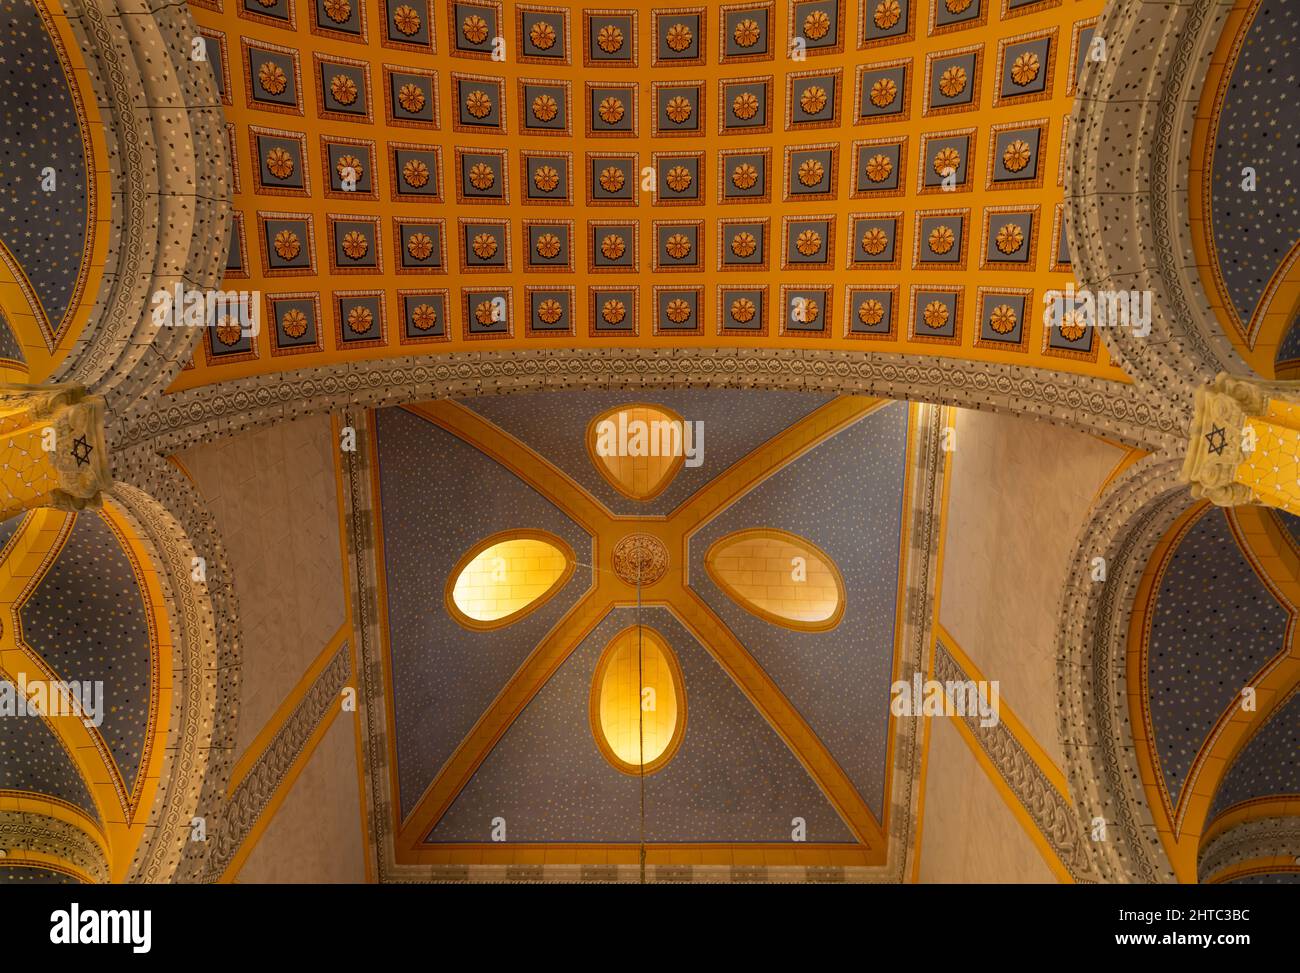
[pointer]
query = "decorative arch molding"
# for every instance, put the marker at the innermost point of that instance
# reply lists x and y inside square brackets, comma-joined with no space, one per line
[1092,643]
[42,840]
[1113,409]
[1126,198]
[204,619]
[1251,847]
[170,165]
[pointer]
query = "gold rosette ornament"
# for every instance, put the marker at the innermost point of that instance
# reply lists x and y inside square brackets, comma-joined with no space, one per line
[677,310]
[941,240]
[360,319]
[474,28]
[1025,68]
[355,244]
[743,310]
[548,246]
[808,242]
[415,173]
[1003,319]
[743,244]
[279,163]
[424,316]
[613,311]
[871,312]
[406,20]
[287,245]
[935,314]
[678,109]
[874,241]
[419,246]
[293,323]
[550,311]
[678,245]
[272,78]
[1009,238]
[887,14]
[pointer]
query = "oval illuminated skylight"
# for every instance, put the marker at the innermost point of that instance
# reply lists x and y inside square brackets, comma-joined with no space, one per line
[780,577]
[638,448]
[506,576]
[638,706]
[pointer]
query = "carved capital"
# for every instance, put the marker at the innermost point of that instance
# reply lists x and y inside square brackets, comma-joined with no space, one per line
[53,448]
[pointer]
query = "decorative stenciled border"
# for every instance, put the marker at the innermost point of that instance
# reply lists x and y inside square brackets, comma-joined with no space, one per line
[273,329]
[423,339]
[1021,346]
[530,331]
[851,306]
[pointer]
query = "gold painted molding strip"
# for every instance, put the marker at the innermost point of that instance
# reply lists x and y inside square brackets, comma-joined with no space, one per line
[1032,786]
[266,780]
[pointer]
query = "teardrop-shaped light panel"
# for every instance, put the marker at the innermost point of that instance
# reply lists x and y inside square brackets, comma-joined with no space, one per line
[780,577]
[506,576]
[638,701]
[638,448]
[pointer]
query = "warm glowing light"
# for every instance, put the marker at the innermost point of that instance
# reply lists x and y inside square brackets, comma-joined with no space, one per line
[778,576]
[507,576]
[638,448]
[638,705]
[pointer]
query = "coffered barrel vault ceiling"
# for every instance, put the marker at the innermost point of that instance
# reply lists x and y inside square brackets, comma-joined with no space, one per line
[425,176]
[769,720]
